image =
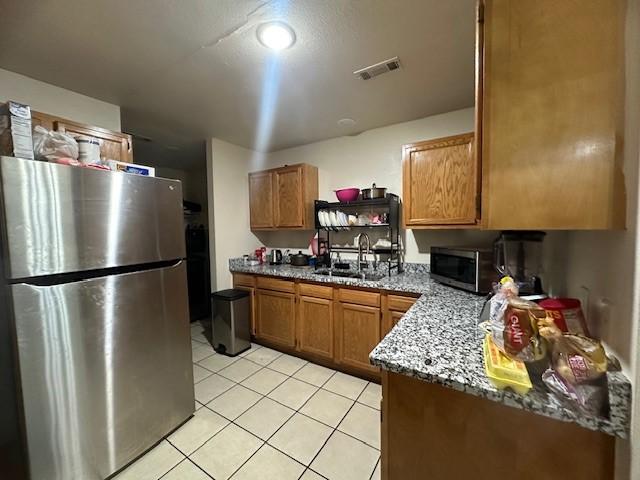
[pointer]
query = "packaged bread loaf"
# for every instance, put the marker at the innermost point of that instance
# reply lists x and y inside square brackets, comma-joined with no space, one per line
[514,324]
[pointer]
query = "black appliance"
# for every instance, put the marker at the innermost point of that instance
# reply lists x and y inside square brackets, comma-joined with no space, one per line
[198,274]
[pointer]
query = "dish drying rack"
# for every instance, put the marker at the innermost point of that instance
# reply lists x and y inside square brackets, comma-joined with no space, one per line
[390,205]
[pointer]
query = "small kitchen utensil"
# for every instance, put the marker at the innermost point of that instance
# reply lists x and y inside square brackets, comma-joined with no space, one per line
[347,194]
[373,192]
[299,259]
[275,257]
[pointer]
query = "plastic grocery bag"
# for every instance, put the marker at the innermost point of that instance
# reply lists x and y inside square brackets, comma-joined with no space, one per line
[513,324]
[52,146]
[578,368]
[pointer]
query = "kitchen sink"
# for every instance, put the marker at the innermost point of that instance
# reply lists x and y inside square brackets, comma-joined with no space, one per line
[350,274]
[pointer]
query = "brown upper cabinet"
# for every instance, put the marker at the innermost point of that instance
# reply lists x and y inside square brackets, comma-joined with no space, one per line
[282,198]
[113,145]
[440,182]
[552,115]
[547,152]
[261,200]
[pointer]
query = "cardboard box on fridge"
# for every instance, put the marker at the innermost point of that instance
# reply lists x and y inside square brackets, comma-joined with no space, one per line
[118,166]
[15,130]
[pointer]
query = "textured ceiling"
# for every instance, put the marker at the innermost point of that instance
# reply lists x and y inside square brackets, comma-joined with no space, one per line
[183,71]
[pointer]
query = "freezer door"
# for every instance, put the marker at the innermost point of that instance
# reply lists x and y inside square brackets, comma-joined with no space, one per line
[105,367]
[60,219]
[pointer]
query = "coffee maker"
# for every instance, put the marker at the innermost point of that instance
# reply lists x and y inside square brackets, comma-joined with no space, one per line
[518,254]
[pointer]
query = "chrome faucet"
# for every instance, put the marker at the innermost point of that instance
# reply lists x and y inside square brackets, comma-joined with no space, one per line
[360,253]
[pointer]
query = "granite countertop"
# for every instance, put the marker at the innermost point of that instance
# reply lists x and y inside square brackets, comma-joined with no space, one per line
[439,341]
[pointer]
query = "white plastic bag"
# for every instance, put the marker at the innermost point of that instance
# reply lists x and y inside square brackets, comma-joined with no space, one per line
[52,146]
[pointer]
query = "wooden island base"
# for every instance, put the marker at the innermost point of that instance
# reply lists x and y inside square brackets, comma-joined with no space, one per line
[432,432]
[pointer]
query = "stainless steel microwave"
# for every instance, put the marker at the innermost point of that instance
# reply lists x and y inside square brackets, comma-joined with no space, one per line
[468,268]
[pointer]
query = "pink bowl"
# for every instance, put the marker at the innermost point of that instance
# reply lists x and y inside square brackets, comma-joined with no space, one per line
[347,194]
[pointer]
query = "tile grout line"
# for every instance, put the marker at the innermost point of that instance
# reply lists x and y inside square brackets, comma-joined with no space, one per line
[172,468]
[295,378]
[334,431]
[287,406]
[289,376]
[307,362]
[186,457]
[374,468]
[266,442]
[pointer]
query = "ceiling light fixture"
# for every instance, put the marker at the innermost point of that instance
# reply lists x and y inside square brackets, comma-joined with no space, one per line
[276,35]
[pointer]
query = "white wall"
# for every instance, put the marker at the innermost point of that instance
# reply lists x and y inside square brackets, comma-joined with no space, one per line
[227,169]
[374,156]
[57,101]
[607,263]
[194,188]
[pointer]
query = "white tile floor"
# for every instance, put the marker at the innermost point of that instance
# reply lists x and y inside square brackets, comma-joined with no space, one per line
[268,415]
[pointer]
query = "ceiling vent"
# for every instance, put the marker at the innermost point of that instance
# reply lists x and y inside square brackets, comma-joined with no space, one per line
[379,68]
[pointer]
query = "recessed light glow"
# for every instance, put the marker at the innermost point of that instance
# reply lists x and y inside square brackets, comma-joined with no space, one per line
[276,35]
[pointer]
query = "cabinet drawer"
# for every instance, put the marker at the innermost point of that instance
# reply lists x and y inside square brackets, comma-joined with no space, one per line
[243,280]
[318,291]
[359,297]
[275,284]
[400,304]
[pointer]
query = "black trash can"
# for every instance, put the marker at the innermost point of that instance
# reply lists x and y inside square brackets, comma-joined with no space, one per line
[231,322]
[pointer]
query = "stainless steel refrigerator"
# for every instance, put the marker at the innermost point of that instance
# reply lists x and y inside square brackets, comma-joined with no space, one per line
[95,350]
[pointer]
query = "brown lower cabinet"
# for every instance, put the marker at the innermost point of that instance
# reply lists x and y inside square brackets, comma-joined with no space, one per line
[315,326]
[358,334]
[394,308]
[248,284]
[434,432]
[275,317]
[328,324]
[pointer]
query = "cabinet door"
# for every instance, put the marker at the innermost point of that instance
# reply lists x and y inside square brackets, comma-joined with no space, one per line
[113,145]
[390,320]
[252,303]
[43,119]
[553,115]
[275,318]
[315,326]
[261,200]
[288,197]
[358,333]
[440,182]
